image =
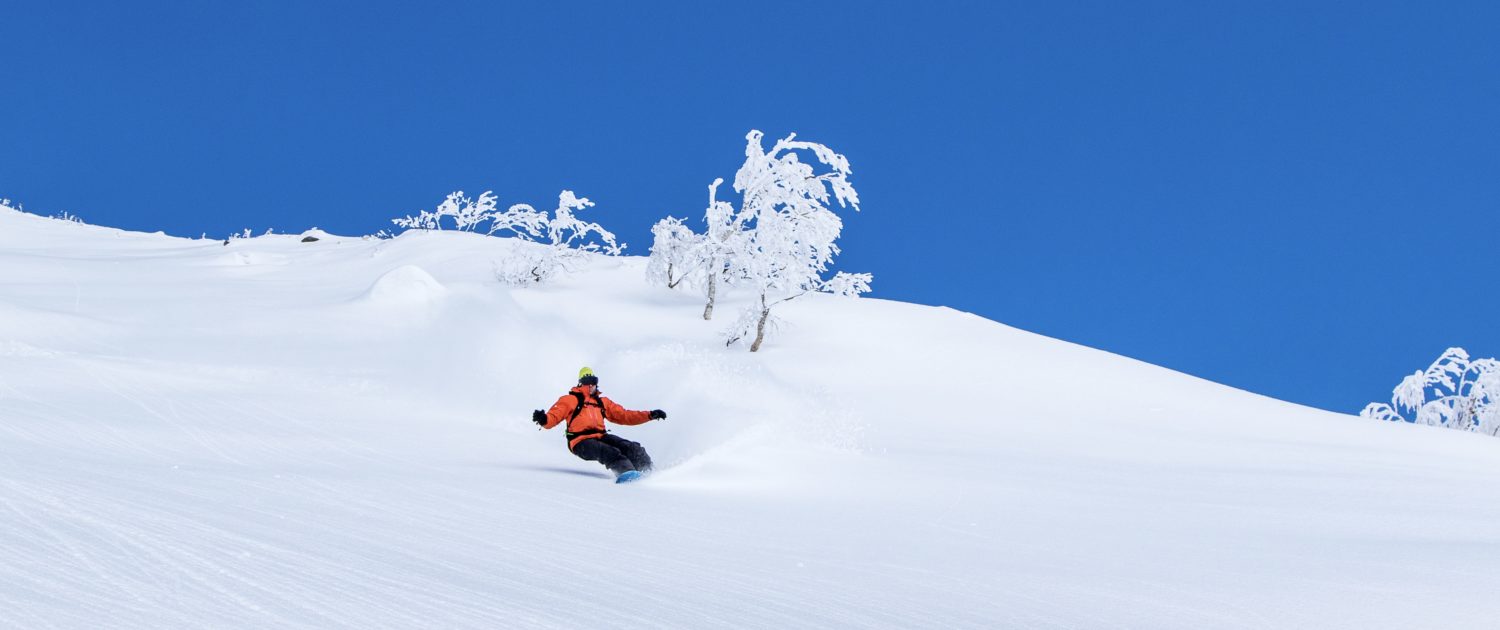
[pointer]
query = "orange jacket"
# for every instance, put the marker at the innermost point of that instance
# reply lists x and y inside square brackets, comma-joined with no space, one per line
[589,422]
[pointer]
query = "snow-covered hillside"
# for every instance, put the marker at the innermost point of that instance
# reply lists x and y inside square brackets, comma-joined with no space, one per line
[336,434]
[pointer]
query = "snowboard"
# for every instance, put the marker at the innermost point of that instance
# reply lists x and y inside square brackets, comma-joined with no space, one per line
[628,476]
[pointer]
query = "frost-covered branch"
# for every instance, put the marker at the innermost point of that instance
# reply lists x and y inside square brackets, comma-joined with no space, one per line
[1455,392]
[848,284]
[565,237]
[465,213]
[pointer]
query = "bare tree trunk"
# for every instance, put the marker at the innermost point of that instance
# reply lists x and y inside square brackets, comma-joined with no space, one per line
[713,290]
[760,327]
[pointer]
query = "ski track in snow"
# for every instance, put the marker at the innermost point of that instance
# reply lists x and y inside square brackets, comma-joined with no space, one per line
[336,434]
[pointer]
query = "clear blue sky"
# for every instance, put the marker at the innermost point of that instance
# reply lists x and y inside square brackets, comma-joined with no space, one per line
[1296,198]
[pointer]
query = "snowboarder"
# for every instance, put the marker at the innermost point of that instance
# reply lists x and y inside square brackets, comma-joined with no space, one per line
[584,410]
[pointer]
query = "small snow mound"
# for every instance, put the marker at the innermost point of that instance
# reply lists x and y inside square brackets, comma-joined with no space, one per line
[405,284]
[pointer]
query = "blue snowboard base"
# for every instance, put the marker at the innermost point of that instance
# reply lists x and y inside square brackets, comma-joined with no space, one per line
[628,476]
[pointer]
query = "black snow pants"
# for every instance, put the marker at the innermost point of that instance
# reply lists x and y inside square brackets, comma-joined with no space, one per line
[616,453]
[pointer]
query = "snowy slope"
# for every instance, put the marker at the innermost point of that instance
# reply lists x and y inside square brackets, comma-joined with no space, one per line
[336,434]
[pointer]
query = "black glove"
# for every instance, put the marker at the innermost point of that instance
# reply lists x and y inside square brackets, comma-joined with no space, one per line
[657,414]
[539,417]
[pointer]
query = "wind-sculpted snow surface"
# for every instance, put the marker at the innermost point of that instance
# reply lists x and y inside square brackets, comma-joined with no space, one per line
[337,434]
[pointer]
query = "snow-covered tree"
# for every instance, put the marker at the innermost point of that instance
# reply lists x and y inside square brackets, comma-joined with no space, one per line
[465,213]
[1455,392]
[680,256]
[778,243]
[468,214]
[564,230]
[781,240]
[565,237]
[723,243]
[673,245]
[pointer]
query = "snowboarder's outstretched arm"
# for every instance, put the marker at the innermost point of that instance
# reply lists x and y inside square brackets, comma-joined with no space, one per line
[620,415]
[560,410]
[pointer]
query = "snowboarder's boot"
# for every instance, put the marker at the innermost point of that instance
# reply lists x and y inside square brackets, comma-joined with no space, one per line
[628,476]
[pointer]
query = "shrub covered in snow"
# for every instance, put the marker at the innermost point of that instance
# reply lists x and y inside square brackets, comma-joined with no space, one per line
[565,237]
[1454,392]
[466,214]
